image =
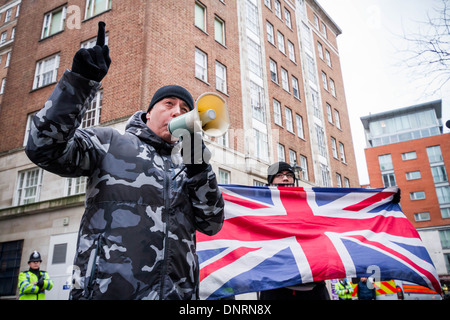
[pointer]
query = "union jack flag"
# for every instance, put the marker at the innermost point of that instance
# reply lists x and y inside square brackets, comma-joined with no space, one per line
[275,237]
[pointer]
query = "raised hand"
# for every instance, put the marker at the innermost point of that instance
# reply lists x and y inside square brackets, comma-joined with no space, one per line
[93,63]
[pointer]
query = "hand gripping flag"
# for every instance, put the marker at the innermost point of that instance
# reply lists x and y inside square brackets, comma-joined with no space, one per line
[275,237]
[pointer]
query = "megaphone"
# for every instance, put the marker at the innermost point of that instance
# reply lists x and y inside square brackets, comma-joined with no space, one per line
[210,115]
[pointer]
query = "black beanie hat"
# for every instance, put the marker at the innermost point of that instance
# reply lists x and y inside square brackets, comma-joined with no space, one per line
[277,168]
[172,91]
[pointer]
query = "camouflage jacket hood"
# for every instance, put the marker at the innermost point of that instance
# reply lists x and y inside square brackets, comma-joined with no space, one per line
[137,234]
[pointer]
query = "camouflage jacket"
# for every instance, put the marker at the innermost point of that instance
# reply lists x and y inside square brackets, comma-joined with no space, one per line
[137,234]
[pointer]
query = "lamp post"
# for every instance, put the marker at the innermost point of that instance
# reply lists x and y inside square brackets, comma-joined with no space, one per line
[297,171]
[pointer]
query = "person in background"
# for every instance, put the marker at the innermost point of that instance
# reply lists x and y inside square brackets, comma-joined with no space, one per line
[282,174]
[34,282]
[344,289]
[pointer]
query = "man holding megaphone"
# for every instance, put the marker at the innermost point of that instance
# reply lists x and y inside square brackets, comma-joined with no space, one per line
[137,234]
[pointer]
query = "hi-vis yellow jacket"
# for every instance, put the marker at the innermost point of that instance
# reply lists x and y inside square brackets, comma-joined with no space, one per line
[30,291]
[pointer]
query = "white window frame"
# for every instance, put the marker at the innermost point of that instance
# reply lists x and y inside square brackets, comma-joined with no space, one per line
[221,77]
[299,122]
[219,30]
[284,79]
[287,18]
[48,22]
[413,175]
[224,176]
[261,144]
[304,165]
[421,216]
[201,65]
[291,51]
[44,68]
[295,87]
[93,113]
[91,8]
[277,112]
[75,186]
[280,38]
[281,153]
[270,33]
[273,71]
[289,121]
[28,180]
[342,152]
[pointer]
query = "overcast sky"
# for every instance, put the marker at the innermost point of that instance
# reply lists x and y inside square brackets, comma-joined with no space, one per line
[370,49]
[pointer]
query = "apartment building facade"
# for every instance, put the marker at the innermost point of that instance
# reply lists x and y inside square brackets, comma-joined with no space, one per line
[275,62]
[407,148]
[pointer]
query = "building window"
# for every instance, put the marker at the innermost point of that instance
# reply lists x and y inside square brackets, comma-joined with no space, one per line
[3,37]
[328,57]
[324,29]
[2,86]
[444,235]
[281,153]
[346,183]
[254,57]
[277,112]
[434,154]
[200,16]
[93,113]
[334,147]
[10,257]
[337,119]
[252,17]
[295,89]
[262,149]
[281,42]
[422,216]
[443,194]
[95,7]
[291,49]
[91,42]
[270,34]
[299,121]
[445,213]
[28,127]
[289,122]
[388,179]
[221,77]
[385,162]
[414,175]
[54,22]
[332,87]
[304,165]
[75,186]
[292,157]
[257,102]
[409,156]
[219,30]
[8,15]
[46,71]
[439,174]
[320,50]
[224,177]
[338,180]
[273,71]
[324,81]
[320,135]
[201,65]
[284,79]
[342,152]
[277,6]
[418,195]
[267,4]
[28,186]
[329,115]
[287,18]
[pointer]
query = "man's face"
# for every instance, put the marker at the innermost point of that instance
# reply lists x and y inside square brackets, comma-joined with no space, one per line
[284,177]
[34,265]
[162,112]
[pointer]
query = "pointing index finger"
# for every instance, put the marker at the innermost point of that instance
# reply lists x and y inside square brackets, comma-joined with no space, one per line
[101,34]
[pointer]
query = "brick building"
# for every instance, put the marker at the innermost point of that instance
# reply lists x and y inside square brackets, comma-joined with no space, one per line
[275,62]
[407,148]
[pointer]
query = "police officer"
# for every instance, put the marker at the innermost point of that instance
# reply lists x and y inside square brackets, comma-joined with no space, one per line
[34,282]
[344,289]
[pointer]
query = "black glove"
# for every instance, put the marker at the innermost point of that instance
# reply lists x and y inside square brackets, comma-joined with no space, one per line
[397,197]
[40,282]
[195,154]
[93,63]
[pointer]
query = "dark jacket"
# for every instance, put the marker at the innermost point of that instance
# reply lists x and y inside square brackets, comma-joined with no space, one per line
[364,293]
[137,234]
